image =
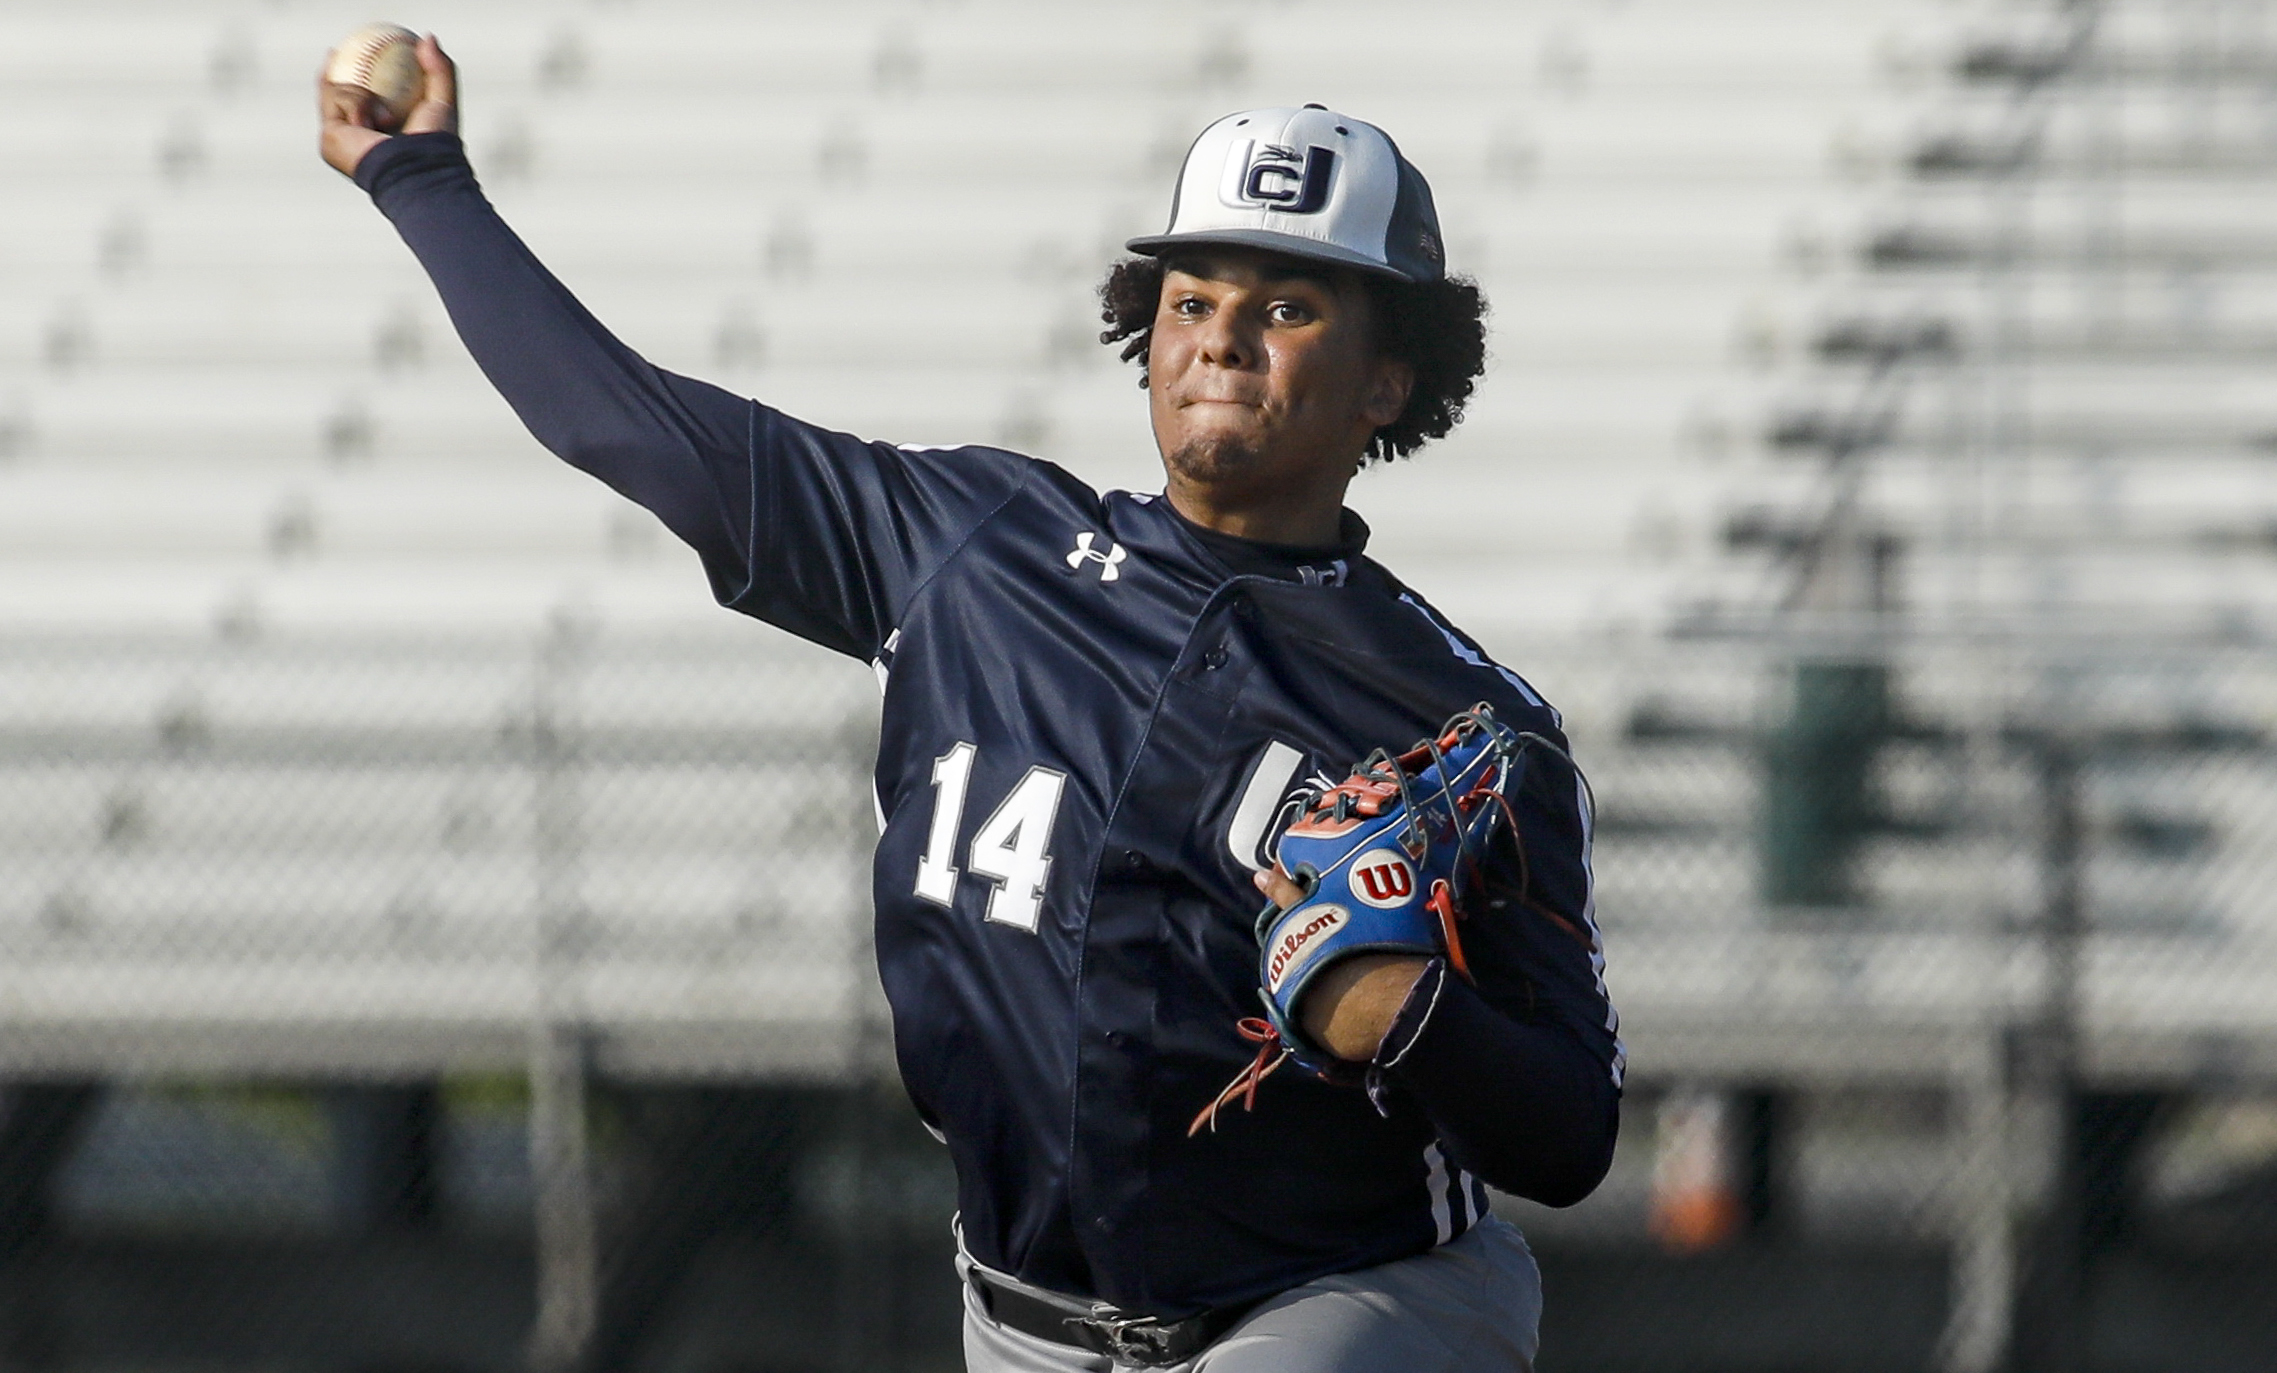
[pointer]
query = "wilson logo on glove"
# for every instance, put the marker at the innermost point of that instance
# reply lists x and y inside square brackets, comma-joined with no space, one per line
[1382,879]
[1297,944]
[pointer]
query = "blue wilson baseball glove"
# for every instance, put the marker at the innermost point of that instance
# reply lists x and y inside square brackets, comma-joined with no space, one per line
[1386,859]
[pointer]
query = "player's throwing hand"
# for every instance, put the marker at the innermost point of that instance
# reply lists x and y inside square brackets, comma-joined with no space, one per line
[348,112]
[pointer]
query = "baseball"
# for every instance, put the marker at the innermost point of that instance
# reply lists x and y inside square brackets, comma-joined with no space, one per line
[384,60]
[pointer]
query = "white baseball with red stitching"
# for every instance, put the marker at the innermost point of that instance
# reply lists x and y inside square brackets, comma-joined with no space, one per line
[382,59]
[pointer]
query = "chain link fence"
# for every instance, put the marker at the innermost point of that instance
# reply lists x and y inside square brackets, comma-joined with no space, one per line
[449,1004]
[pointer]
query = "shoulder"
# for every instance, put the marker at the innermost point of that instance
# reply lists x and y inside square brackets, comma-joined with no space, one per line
[966,463]
[960,487]
[1462,655]
[1022,510]
[1028,478]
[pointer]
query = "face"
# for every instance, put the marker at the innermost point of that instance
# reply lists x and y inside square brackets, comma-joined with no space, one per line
[1263,375]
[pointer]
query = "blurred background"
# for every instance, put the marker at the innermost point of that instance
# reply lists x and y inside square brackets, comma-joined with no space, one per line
[433,936]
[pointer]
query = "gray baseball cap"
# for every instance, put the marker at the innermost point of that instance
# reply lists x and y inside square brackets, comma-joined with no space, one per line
[1310,183]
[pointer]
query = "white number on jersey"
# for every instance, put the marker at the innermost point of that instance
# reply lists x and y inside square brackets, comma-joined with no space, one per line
[1013,846]
[936,876]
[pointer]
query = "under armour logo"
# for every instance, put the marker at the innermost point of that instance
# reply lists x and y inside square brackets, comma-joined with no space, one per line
[1277,177]
[1110,562]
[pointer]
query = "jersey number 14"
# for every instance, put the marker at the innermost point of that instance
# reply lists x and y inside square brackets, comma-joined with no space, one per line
[1012,847]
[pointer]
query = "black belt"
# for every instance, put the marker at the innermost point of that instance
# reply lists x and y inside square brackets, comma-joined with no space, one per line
[1148,1341]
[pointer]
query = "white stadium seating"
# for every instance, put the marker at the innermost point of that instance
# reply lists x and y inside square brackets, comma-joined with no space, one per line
[254,498]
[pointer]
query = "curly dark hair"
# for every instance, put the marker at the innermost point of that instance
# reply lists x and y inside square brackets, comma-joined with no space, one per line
[1436,327]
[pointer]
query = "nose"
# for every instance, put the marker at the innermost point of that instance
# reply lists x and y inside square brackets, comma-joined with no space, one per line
[1228,338]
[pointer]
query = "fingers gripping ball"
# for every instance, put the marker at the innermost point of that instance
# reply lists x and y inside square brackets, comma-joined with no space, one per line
[381,60]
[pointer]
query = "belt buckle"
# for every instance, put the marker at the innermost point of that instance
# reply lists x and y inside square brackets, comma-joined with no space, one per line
[1143,1340]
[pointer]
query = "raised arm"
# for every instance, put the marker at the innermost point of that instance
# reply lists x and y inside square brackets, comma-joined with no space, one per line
[816,531]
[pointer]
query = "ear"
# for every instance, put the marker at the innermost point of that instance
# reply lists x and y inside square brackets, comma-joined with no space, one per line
[1393,382]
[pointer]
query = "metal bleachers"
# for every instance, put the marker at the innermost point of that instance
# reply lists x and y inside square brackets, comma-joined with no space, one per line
[777,182]
[283,585]
[360,856]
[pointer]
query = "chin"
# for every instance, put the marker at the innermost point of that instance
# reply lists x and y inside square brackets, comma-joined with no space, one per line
[1214,458]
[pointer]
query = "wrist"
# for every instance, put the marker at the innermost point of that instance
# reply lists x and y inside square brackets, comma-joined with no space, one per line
[406,154]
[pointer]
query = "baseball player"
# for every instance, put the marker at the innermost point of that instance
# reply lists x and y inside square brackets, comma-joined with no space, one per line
[1106,717]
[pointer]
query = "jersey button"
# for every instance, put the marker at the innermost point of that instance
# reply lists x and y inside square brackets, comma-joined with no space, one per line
[1214,659]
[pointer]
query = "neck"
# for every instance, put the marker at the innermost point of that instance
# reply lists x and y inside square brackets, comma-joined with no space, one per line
[1299,519]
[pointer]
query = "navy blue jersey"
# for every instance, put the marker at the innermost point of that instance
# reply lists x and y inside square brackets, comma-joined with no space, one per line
[1092,708]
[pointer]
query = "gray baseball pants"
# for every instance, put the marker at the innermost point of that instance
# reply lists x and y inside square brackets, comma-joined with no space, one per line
[1471,1305]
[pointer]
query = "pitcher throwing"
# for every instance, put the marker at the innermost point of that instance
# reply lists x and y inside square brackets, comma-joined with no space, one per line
[1105,717]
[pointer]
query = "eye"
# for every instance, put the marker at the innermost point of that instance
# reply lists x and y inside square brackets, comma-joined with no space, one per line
[1289,312]
[1189,307]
